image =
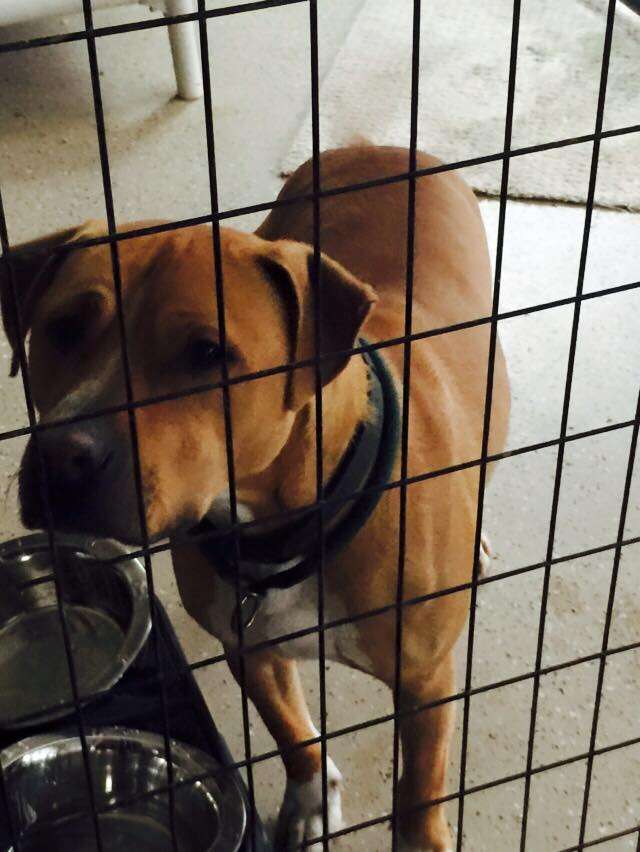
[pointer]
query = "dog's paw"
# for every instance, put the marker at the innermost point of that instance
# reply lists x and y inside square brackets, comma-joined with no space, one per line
[300,817]
[484,557]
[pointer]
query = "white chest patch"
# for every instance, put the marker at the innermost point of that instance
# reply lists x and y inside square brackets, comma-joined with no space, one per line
[289,611]
[283,612]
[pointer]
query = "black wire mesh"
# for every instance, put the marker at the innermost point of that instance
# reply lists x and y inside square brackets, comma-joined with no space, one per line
[406,393]
[565,413]
[215,217]
[319,434]
[219,292]
[504,186]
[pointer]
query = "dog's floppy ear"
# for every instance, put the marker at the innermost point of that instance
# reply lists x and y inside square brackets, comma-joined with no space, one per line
[345,302]
[24,278]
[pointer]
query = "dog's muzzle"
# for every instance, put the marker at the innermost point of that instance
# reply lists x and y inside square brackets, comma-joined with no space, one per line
[82,467]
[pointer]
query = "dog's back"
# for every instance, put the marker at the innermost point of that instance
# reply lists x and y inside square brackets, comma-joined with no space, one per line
[366,231]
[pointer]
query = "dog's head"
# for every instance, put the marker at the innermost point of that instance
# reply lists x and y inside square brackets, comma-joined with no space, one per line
[64,296]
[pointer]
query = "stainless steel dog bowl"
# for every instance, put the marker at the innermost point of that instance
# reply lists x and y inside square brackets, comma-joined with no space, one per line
[107,614]
[46,784]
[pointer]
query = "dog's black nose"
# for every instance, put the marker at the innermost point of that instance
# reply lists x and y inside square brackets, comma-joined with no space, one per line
[75,456]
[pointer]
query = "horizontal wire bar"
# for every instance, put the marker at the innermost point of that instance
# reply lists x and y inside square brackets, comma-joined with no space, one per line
[348,620]
[415,337]
[478,788]
[158,549]
[128,801]
[604,839]
[414,601]
[146,24]
[378,720]
[263,207]
[292,514]
[351,619]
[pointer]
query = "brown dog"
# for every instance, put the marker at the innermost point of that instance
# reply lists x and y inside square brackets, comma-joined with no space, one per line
[172,330]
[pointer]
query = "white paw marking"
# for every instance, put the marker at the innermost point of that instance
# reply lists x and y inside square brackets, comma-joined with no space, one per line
[300,816]
[484,557]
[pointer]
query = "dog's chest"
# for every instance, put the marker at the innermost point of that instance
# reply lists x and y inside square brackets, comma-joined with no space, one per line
[289,612]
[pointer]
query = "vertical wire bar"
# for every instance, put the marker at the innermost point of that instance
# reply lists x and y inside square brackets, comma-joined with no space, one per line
[44,493]
[129,394]
[486,430]
[226,399]
[607,625]
[406,388]
[4,244]
[606,53]
[317,306]
[16,845]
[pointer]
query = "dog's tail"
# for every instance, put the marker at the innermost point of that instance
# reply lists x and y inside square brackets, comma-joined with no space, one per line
[358,140]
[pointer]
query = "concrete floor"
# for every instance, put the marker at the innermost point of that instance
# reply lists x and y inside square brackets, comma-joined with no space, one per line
[50,177]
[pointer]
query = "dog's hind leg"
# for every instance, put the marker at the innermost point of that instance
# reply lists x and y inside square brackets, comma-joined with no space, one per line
[425,751]
[273,684]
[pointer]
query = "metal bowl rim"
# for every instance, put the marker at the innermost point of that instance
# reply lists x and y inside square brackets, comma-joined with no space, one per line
[191,759]
[134,575]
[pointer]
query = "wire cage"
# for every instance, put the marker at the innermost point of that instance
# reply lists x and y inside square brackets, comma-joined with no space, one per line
[461,788]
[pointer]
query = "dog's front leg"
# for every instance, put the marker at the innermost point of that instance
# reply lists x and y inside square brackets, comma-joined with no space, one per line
[425,737]
[273,684]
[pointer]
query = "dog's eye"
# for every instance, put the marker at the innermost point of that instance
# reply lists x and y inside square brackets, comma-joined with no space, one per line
[203,354]
[66,332]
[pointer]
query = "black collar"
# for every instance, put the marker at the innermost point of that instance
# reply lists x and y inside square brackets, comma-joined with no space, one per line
[285,556]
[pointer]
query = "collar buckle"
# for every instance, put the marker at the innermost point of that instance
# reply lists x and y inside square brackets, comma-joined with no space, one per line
[246,611]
